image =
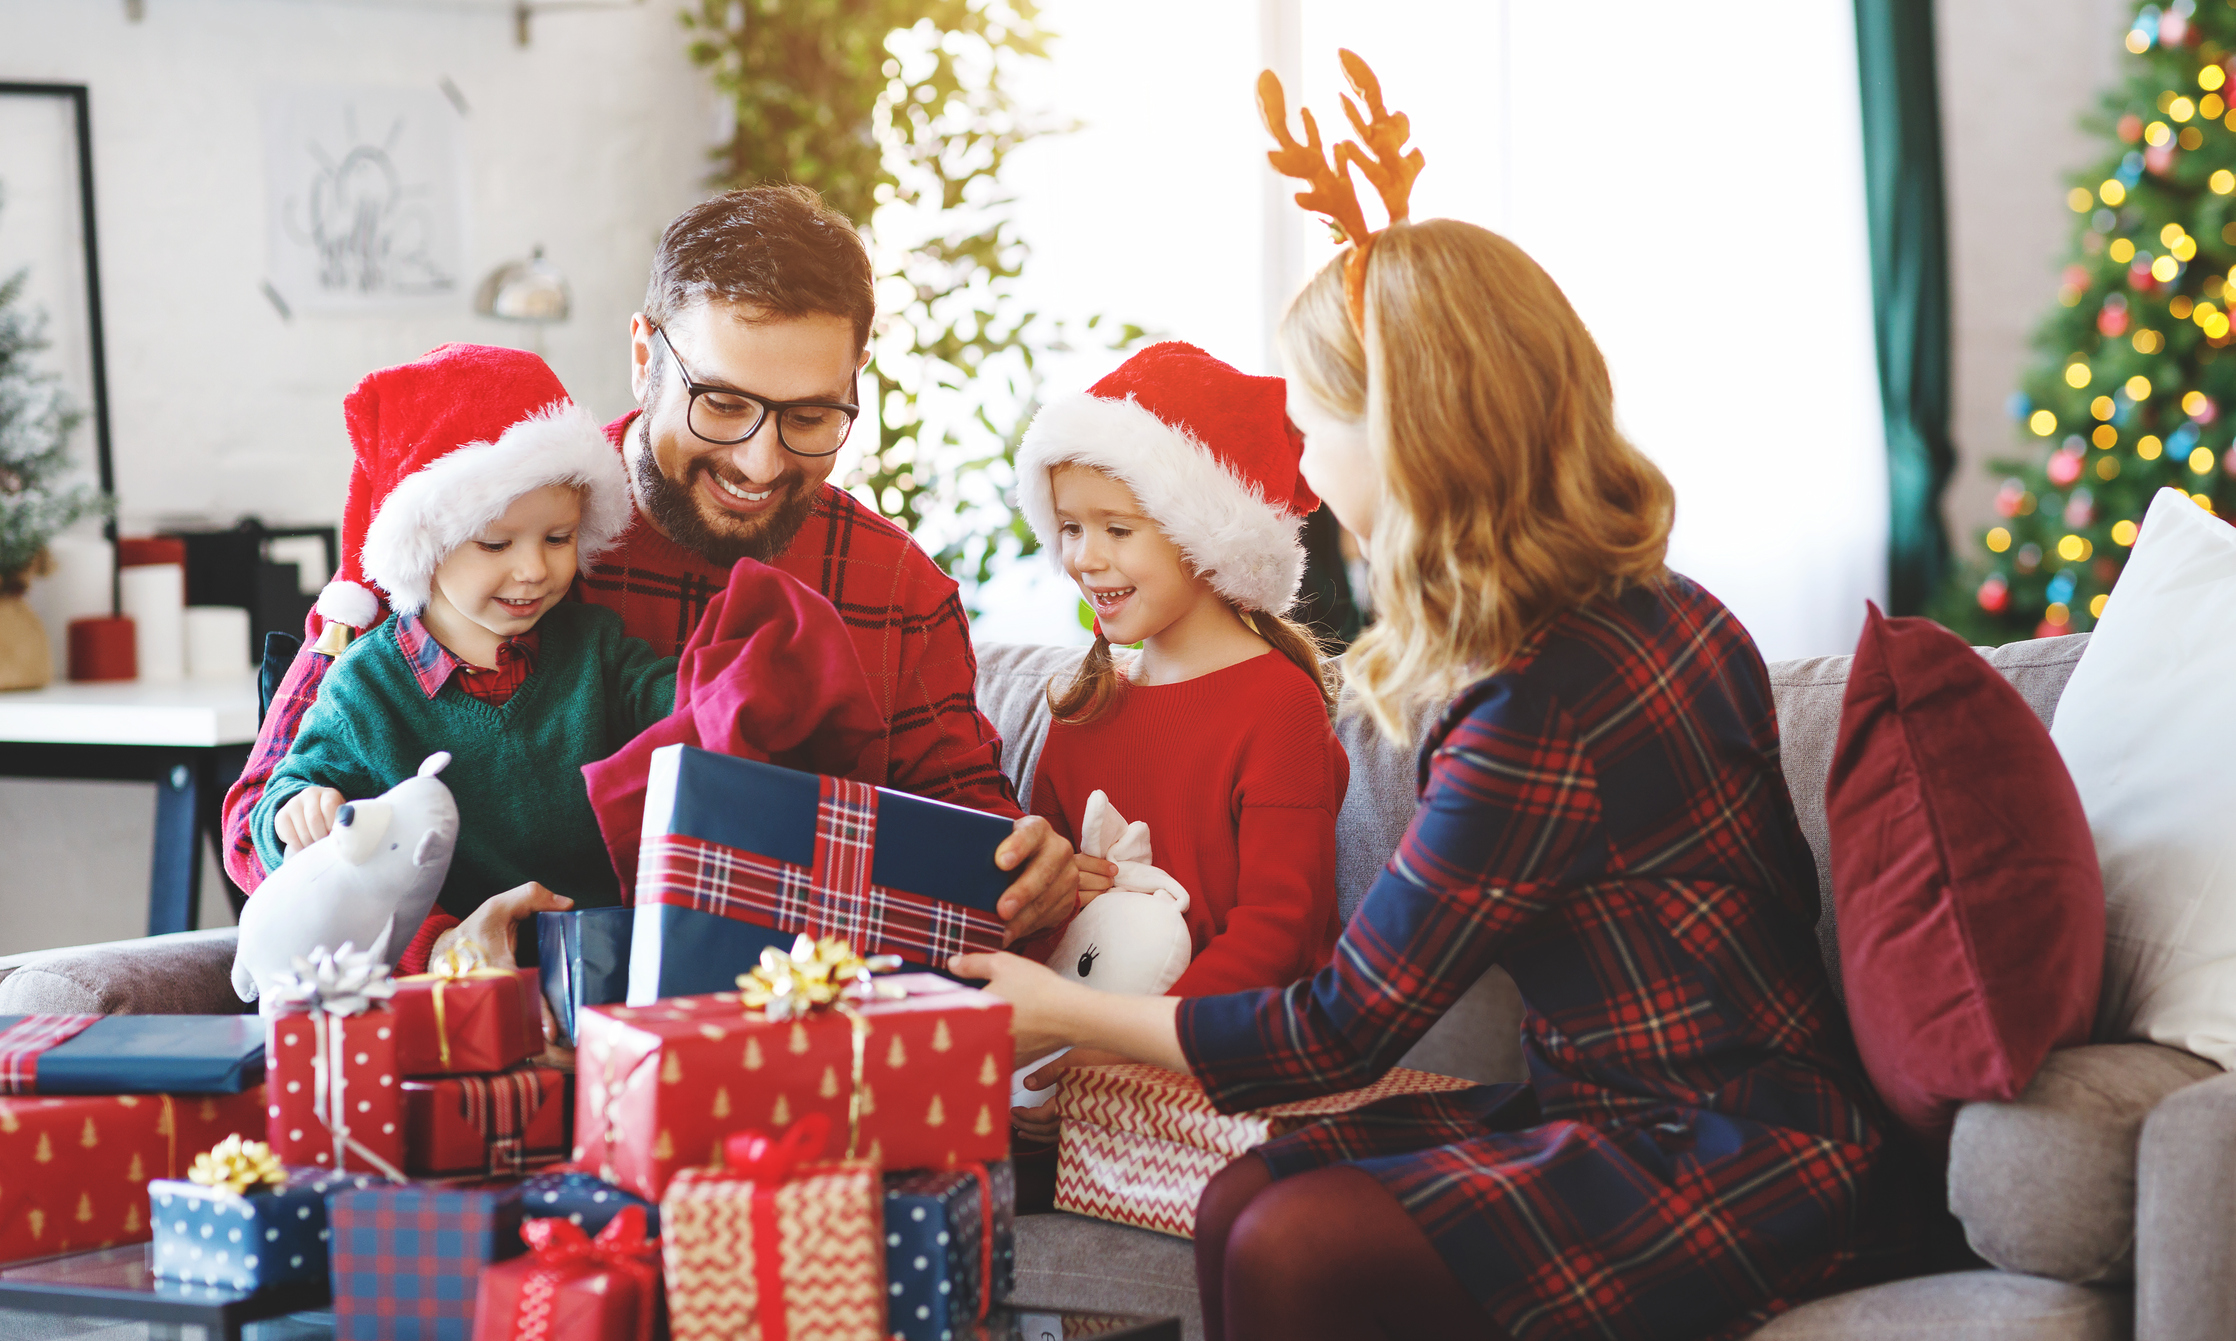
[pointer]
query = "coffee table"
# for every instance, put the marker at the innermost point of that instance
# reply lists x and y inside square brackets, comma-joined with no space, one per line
[120,1283]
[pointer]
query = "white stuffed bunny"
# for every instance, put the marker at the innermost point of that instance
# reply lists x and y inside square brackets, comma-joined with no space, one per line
[1133,938]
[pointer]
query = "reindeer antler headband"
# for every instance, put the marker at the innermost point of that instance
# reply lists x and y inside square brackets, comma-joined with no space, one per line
[1331,193]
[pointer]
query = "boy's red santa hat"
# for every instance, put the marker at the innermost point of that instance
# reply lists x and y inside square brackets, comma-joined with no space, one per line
[1207,449]
[445,445]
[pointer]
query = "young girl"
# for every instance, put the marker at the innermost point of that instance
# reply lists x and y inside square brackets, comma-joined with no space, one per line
[1170,494]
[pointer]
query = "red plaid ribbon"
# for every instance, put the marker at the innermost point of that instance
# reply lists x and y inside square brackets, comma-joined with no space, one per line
[834,897]
[500,1106]
[22,1042]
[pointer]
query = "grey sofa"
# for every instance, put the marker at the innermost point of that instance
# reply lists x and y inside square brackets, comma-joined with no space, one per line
[2101,1204]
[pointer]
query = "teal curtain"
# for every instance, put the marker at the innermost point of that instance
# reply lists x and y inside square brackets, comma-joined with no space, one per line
[1909,285]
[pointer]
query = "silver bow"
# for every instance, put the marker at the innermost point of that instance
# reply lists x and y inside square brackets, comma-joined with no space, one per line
[347,981]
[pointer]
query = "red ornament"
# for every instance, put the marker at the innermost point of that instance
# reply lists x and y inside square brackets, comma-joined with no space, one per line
[1995,595]
[2228,461]
[2064,467]
[2140,279]
[2046,629]
[2206,413]
[2010,498]
[2111,322]
[2158,160]
[2131,128]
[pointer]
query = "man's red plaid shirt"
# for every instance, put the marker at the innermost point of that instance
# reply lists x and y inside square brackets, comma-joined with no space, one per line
[904,613]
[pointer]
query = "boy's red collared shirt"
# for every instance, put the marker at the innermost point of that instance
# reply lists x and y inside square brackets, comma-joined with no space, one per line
[433,664]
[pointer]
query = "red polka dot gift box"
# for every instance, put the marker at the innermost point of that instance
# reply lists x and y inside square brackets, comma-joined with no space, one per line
[330,1067]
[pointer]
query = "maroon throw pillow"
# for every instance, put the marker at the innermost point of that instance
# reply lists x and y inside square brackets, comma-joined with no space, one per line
[1970,907]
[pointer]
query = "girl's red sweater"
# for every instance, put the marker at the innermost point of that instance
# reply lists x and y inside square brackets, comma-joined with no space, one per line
[1239,777]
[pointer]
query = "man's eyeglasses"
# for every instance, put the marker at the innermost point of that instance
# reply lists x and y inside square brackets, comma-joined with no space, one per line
[726,416]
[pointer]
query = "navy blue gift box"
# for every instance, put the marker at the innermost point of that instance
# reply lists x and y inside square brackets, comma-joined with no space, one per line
[584,958]
[247,1241]
[587,1201]
[739,855]
[936,1230]
[154,1054]
[407,1258]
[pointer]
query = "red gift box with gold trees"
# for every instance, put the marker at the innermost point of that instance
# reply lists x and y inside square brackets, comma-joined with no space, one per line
[911,1072]
[74,1169]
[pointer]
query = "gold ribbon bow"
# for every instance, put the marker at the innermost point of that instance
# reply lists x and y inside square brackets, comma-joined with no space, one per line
[462,962]
[822,975]
[234,1166]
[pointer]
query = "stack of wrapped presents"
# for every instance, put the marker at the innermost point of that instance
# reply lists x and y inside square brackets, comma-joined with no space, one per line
[761,1129]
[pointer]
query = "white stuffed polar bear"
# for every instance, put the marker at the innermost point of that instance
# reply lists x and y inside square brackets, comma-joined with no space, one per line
[380,868]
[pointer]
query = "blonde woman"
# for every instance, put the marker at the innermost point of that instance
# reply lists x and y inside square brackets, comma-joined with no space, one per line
[1602,813]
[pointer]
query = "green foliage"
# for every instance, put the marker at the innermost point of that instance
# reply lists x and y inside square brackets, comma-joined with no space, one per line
[900,113]
[36,420]
[2134,387]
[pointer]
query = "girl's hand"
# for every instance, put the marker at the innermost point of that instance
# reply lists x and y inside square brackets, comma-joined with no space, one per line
[307,817]
[1095,876]
[1041,1003]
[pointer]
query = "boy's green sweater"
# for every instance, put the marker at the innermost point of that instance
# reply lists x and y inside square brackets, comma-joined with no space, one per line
[515,769]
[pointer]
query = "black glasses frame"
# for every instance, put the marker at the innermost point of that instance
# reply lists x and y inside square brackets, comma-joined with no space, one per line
[696,389]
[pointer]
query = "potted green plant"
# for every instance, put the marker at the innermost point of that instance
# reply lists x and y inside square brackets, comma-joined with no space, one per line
[36,420]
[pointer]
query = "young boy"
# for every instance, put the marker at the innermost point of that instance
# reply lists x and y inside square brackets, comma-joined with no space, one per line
[479,491]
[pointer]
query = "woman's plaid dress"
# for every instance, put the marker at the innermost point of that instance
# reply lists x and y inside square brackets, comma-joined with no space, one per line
[1696,1149]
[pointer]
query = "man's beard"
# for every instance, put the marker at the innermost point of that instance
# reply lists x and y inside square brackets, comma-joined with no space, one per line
[674,506]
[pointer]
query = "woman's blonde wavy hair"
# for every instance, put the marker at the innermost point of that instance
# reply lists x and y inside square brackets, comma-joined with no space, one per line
[1508,495]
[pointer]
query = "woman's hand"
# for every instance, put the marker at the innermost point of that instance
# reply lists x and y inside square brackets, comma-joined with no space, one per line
[1039,1001]
[307,817]
[490,927]
[1048,1012]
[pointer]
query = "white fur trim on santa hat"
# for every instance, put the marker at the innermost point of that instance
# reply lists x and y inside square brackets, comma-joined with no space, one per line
[345,602]
[456,497]
[1228,530]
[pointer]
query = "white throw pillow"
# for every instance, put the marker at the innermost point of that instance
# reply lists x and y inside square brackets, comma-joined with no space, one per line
[2147,726]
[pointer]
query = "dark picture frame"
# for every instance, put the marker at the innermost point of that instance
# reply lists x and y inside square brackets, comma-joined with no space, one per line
[97,393]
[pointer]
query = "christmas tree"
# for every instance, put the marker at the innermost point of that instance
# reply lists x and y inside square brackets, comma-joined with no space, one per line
[36,420]
[2135,377]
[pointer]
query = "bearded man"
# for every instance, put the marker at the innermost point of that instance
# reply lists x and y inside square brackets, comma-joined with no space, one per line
[744,361]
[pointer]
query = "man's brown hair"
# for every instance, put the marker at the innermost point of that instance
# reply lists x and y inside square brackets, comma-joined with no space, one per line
[778,249]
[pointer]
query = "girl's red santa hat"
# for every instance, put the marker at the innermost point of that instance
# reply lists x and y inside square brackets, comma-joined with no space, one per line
[446,444]
[1207,449]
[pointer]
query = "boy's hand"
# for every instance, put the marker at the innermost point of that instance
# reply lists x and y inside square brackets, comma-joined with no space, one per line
[307,817]
[490,928]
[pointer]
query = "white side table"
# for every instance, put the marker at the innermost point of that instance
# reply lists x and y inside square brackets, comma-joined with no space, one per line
[190,738]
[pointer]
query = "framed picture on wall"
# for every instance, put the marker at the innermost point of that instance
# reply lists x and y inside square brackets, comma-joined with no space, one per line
[47,235]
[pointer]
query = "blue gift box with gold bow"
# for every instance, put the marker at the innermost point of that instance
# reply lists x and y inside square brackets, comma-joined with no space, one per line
[738,856]
[247,1238]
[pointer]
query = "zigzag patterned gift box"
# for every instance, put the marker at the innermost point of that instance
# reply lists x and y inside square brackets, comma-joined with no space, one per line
[775,1245]
[1139,1143]
[1132,1179]
[738,856]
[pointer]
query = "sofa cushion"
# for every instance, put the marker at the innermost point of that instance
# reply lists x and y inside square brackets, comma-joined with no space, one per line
[1013,694]
[2045,1184]
[1971,912]
[2147,730]
[1070,1261]
[184,973]
[1961,1306]
[1809,693]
